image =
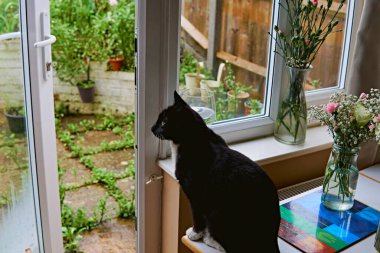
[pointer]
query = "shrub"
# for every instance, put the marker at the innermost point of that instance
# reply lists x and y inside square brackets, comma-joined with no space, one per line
[9,16]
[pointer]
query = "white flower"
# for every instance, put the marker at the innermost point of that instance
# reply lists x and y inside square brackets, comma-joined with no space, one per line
[112,2]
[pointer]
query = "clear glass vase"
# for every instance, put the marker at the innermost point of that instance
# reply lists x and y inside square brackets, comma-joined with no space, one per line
[290,127]
[341,178]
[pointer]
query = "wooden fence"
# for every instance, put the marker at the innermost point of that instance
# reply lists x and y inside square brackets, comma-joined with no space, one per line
[237,31]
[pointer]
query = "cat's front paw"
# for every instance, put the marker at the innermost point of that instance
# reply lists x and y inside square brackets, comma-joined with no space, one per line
[209,241]
[192,235]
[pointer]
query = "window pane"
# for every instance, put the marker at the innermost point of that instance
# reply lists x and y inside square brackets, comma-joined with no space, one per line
[326,66]
[242,40]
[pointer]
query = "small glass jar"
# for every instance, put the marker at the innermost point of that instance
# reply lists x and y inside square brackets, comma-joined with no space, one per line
[341,178]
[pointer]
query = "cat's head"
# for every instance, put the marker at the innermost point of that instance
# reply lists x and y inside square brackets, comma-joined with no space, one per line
[178,122]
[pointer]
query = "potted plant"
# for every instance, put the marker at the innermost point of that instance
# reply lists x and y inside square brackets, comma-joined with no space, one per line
[237,93]
[351,121]
[252,107]
[80,40]
[308,27]
[119,33]
[15,115]
[86,87]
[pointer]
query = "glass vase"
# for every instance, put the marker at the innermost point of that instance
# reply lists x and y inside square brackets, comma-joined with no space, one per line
[290,127]
[341,177]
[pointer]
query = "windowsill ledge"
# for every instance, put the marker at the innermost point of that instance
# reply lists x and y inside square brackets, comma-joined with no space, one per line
[268,150]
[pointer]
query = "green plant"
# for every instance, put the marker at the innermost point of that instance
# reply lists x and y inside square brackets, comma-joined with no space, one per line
[14,151]
[75,222]
[119,24]
[80,39]
[9,16]
[316,84]
[307,31]
[13,106]
[255,106]
[236,91]
[188,64]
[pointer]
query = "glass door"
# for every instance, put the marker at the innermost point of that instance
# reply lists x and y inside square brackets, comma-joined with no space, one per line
[29,196]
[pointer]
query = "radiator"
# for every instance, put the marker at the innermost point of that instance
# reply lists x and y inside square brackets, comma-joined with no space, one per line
[293,190]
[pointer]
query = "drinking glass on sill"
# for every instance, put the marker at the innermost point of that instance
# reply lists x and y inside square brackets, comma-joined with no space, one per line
[202,101]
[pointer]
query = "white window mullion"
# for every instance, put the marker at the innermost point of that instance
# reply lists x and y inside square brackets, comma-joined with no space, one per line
[157,66]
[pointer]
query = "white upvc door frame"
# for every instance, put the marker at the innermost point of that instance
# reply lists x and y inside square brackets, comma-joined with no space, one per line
[157,75]
[40,126]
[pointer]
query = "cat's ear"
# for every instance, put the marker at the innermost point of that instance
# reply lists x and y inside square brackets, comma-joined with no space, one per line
[178,100]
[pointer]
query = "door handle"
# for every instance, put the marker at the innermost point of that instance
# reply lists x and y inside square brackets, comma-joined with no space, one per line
[49,39]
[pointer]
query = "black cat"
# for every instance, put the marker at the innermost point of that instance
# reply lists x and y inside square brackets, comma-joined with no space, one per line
[234,203]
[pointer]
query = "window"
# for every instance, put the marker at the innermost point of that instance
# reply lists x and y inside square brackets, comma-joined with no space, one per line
[237,31]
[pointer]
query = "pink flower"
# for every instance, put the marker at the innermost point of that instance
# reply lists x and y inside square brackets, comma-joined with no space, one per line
[376,119]
[363,96]
[371,127]
[314,2]
[331,107]
[112,2]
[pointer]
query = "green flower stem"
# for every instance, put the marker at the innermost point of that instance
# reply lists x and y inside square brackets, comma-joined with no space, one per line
[339,168]
[292,112]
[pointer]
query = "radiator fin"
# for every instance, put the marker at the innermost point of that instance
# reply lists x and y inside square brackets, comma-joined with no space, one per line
[296,189]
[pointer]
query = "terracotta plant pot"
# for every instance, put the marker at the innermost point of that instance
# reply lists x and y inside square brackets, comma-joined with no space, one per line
[116,63]
[237,106]
[87,94]
[16,123]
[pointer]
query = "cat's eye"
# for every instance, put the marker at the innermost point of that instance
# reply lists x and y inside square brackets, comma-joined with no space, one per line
[163,123]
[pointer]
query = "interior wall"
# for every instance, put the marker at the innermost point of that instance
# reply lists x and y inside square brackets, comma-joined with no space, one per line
[296,170]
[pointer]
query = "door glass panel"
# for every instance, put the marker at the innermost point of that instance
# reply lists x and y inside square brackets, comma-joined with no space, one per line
[18,220]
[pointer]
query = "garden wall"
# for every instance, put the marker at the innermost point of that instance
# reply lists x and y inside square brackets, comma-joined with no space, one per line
[10,72]
[114,91]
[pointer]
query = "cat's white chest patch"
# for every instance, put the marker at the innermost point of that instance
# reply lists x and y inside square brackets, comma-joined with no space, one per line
[174,149]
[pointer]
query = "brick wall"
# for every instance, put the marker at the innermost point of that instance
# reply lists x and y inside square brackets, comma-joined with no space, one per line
[114,91]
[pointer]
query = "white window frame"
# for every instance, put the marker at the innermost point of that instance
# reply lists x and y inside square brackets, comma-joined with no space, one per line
[249,127]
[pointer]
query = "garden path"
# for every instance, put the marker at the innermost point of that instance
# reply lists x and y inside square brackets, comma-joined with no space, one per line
[96,173]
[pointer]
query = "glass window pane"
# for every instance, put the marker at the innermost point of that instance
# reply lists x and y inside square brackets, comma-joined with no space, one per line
[18,218]
[326,66]
[244,43]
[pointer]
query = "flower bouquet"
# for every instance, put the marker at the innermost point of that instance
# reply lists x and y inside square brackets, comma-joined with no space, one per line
[309,25]
[351,121]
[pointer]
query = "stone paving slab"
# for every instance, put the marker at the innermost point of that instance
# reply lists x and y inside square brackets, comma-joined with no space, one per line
[115,162]
[113,236]
[87,197]
[62,152]
[75,173]
[92,139]
[127,185]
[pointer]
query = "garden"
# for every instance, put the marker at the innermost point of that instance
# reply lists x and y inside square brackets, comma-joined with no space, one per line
[94,94]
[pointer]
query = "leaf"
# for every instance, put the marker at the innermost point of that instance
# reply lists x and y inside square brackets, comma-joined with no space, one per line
[362,115]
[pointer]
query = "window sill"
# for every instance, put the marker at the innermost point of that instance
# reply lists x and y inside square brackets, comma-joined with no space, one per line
[268,150]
